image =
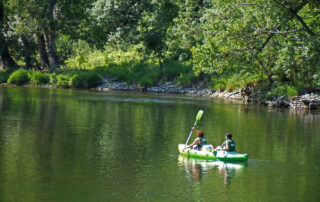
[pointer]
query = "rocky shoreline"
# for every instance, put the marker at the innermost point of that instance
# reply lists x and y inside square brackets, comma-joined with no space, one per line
[306,101]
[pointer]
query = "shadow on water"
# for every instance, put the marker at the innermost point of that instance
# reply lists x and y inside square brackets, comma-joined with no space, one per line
[196,169]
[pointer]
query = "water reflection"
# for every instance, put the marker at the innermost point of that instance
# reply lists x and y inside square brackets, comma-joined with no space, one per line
[196,169]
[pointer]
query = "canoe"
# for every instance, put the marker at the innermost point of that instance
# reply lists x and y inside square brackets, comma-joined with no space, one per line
[213,155]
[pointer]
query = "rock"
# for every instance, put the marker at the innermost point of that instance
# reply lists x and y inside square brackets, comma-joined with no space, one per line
[313,105]
[246,95]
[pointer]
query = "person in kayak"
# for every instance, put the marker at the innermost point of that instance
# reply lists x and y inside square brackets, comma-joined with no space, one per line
[199,141]
[229,144]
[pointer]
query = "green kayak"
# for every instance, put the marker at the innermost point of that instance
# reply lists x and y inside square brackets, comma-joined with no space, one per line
[210,154]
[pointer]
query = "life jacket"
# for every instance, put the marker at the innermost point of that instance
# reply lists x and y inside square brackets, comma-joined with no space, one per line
[203,142]
[232,145]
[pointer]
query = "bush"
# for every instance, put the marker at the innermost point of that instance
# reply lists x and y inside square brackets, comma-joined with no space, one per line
[186,79]
[292,91]
[4,75]
[62,81]
[39,78]
[85,80]
[219,84]
[53,79]
[279,90]
[91,79]
[232,85]
[19,77]
[76,81]
[283,90]
[170,71]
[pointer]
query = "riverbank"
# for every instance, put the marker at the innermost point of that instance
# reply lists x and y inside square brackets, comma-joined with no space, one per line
[245,95]
[81,79]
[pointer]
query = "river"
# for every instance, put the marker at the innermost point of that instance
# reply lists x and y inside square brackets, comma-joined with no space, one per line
[69,145]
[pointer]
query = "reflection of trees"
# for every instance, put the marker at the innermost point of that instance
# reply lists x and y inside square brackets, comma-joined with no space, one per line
[64,135]
[50,136]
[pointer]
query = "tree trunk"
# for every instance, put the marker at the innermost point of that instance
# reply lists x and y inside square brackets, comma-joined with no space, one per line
[50,38]
[6,60]
[53,59]
[1,64]
[27,51]
[42,51]
[5,57]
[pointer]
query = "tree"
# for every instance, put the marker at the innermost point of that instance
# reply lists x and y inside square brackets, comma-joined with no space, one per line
[117,20]
[6,61]
[153,28]
[268,38]
[185,32]
[41,22]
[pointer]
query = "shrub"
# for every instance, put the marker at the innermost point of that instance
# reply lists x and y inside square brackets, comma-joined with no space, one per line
[76,81]
[91,79]
[185,79]
[146,82]
[283,90]
[4,75]
[40,78]
[292,91]
[231,85]
[219,84]
[173,70]
[19,77]
[85,80]
[53,79]
[62,81]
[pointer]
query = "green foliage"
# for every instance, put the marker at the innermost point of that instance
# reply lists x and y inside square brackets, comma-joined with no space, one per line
[84,80]
[186,79]
[53,78]
[279,90]
[219,84]
[236,44]
[39,78]
[64,46]
[172,70]
[141,74]
[62,81]
[4,75]
[292,91]
[260,38]
[19,77]
[283,90]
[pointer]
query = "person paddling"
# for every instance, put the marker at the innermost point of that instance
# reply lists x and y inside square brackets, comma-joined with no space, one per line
[199,141]
[228,145]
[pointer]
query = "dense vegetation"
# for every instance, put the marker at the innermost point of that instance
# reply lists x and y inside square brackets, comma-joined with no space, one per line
[270,44]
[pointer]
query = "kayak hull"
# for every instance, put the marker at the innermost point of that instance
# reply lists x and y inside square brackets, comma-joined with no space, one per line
[215,155]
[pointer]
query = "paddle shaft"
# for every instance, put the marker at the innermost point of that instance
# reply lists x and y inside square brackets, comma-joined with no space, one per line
[198,117]
[194,125]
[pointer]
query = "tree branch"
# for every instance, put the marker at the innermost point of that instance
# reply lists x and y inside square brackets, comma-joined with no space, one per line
[276,31]
[294,13]
[248,4]
[278,27]
[302,22]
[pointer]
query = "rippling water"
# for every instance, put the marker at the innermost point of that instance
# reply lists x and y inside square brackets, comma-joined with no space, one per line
[65,145]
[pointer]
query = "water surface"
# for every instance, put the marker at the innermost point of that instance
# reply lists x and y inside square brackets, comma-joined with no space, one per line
[66,145]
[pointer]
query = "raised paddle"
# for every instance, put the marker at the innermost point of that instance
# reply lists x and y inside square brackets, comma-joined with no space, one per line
[198,117]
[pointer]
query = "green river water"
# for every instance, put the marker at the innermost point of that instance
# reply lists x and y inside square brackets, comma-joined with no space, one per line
[68,145]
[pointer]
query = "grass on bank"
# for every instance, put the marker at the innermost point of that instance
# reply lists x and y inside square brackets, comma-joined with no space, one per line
[144,75]
[64,79]
[19,77]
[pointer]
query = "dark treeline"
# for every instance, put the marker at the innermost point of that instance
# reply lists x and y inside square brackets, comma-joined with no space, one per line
[228,44]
